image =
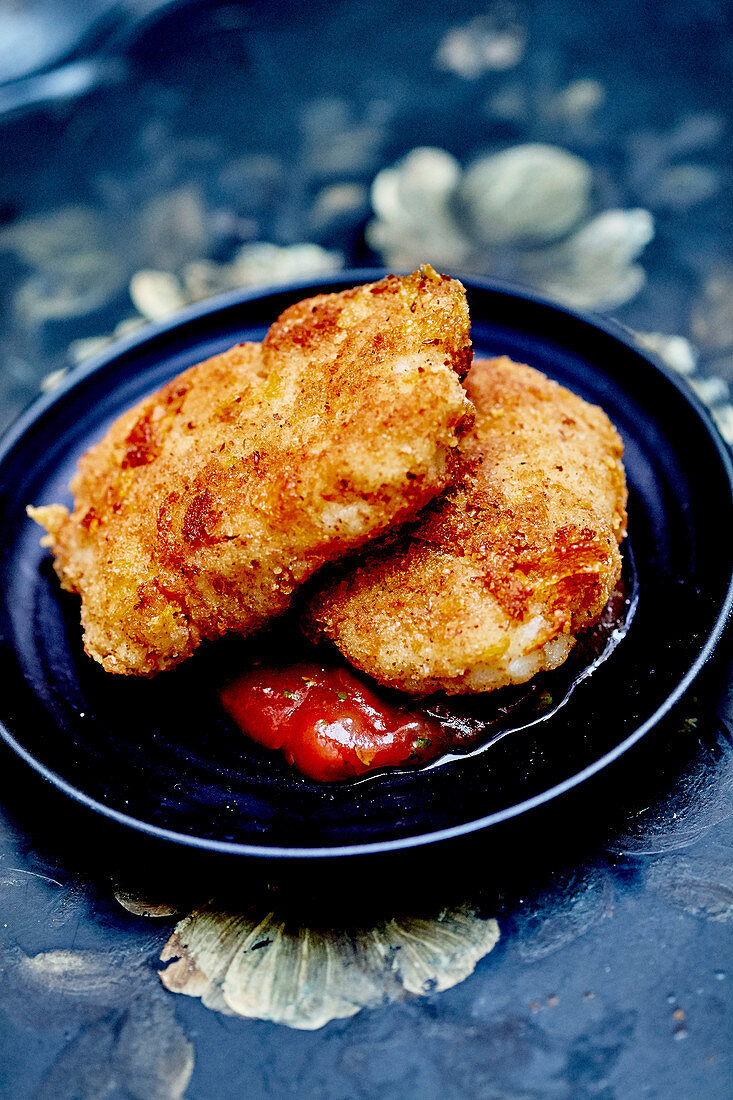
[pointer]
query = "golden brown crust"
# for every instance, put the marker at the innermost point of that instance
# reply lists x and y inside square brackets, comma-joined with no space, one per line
[496,577]
[206,506]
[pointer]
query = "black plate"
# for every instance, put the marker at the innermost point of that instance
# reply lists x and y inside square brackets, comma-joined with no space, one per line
[158,755]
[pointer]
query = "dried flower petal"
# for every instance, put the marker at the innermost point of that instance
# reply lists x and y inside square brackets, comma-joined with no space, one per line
[263,968]
[529,194]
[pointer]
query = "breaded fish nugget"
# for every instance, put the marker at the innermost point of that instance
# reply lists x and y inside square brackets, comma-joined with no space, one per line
[493,582]
[206,506]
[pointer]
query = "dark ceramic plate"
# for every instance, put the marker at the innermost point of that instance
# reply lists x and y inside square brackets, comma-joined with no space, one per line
[160,757]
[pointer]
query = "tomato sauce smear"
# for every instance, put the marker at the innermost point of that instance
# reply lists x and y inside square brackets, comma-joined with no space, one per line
[326,722]
[331,726]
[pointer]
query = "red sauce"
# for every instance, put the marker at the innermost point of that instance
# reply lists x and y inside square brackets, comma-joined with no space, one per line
[331,726]
[326,722]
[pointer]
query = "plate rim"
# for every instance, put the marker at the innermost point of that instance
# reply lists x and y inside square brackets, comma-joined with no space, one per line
[15,431]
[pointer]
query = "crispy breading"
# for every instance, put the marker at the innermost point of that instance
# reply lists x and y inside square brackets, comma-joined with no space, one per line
[206,506]
[495,579]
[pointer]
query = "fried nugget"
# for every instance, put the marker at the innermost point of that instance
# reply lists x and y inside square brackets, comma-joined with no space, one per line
[206,506]
[494,581]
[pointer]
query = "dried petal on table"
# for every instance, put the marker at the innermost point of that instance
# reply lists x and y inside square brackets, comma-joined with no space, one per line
[262,967]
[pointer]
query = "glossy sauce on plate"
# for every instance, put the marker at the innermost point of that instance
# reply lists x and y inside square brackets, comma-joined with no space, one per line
[331,724]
